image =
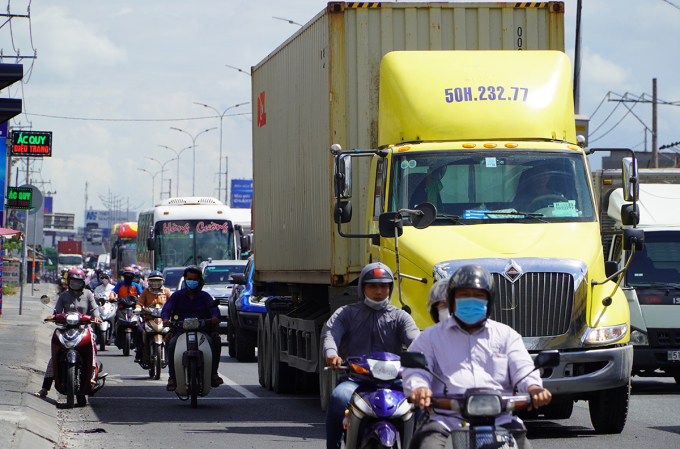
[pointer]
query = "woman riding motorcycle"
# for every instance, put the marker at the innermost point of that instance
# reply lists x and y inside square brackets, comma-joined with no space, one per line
[155,294]
[78,299]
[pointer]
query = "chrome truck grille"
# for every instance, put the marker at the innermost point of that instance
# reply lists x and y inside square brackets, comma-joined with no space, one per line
[536,304]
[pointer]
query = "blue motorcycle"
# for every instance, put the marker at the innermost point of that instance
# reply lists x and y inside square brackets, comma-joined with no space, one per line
[379,414]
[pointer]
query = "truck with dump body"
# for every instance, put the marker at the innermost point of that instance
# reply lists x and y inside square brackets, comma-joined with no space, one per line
[486,138]
[652,283]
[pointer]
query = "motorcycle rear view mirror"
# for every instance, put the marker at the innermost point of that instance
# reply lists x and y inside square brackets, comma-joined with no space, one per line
[45,299]
[413,360]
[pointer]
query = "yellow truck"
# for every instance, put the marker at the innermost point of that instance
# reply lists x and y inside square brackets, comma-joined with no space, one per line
[450,157]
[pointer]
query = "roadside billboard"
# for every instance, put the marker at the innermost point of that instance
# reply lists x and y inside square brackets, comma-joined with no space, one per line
[241,193]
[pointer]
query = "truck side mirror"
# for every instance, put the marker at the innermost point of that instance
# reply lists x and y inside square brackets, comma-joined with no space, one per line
[238,279]
[428,214]
[610,267]
[631,187]
[243,241]
[342,212]
[633,238]
[629,216]
[151,244]
[343,177]
[387,225]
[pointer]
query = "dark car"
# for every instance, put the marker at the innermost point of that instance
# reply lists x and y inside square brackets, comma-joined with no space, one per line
[171,277]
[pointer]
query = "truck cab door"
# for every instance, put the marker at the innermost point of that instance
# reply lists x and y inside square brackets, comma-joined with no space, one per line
[376,205]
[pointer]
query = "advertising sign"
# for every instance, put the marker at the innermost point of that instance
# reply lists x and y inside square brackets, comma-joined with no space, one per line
[241,193]
[105,219]
[32,143]
[19,197]
[10,273]
[3,167]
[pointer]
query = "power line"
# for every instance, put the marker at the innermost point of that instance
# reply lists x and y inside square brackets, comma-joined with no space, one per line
[605,120]
[136,119]
[672,4]
[617,124]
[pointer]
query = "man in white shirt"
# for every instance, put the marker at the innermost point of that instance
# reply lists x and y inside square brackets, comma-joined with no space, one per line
[468,350]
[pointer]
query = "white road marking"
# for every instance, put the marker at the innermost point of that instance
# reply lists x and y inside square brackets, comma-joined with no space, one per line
[237,387]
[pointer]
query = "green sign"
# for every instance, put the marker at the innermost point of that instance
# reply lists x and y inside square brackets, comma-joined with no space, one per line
[19,198]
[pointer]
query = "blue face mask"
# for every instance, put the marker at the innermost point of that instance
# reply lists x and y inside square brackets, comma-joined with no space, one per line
[471,310]
[192,285]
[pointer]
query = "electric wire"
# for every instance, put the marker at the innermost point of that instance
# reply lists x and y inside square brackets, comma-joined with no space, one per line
[605,120]
[137,119]
[598,106]
[617,124]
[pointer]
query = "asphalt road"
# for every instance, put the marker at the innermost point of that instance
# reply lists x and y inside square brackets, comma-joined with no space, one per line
[134,411]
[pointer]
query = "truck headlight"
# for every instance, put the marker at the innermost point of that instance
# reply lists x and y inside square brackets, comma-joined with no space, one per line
[605,335]
[639,338]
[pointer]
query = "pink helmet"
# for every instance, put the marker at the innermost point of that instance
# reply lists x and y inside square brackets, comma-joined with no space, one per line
[76,273]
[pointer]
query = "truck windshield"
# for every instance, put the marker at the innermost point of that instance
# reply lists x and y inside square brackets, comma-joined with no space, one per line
[483,187]
[70,260]
[189,242]
[658,264]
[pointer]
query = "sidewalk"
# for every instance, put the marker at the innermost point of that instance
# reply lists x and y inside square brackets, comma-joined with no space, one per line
[25,420]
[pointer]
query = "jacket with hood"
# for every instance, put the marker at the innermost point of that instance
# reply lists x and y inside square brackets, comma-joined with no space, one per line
[357,329]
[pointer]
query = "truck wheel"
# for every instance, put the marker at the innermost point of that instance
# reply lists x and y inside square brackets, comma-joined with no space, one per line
[231,339]
[260,351]
[245,344]
[328,380]
[283,376]
[558,410]
[267,353]
[609,409]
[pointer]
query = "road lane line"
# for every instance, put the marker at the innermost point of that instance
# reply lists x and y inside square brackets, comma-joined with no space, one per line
[237,387]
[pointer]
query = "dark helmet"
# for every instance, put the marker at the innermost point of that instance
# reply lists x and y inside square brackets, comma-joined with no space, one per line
[103,275]
[375,273]
[195,269]
[155,275]
[471,276]
[437,293]
[156,282]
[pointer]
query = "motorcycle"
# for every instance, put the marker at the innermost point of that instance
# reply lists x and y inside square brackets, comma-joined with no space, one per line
[480,407]
[154,356]
[73,353]
[126,324]
[193,360]
[379,414]
[107,313]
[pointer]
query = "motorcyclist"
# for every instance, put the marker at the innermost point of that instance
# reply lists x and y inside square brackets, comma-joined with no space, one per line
[127,286]
[153,295]
[78,299]
[138,278]
[105,287]
[369,325]
[192,302]
[436,302]
[469,350]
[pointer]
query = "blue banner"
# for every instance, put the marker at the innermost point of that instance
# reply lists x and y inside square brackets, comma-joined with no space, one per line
[241,193]
[3,168]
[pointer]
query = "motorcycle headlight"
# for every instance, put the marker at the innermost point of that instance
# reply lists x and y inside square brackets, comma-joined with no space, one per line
[384,369]
[71,337]
[597,336]
[191,323]
[639,338]
[72,319]
[147,327]
[483,405]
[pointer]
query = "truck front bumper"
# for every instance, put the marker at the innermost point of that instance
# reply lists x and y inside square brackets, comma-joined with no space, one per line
[590,370]
[649,359]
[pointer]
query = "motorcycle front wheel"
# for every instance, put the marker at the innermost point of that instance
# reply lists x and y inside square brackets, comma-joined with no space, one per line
[101,336]
[193,382]
[126,344]
[70,386]
[157,361]
[152,359]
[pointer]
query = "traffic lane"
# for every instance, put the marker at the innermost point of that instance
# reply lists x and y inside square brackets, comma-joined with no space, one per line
[652,421]
[133,407]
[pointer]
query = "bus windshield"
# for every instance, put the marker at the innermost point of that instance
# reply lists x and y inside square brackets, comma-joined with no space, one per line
[499,186]
[190,242]
[128,256]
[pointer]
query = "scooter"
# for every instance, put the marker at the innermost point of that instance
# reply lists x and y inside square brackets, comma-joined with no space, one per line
[154,355]
[73,355]
[107,313]
[480,407]
[379,414]
[193,360]
[126,324]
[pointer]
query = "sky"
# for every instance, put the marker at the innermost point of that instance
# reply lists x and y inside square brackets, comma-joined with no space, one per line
[148,62]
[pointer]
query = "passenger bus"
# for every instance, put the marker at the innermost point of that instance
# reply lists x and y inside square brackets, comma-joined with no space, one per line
[123,248]
[179,232]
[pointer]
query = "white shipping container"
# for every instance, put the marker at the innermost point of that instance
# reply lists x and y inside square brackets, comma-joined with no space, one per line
[320,87]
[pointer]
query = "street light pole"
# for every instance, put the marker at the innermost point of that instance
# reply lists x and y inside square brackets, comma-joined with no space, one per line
[153,182]
[178,155]
[160,197]
[193,139]
[219,186]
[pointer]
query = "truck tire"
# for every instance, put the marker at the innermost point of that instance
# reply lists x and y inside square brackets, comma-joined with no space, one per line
[609,409]
[245,344]
[231,340]
[261,352]
[328,380]
[283,376]
[267,353]
[558,410]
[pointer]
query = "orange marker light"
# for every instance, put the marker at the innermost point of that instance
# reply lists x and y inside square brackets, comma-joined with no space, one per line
[490,145]
[572,147]
[219,211]
[607,182]
[401,150]
[510,145]
[469,145]
[359,369]
[166,213]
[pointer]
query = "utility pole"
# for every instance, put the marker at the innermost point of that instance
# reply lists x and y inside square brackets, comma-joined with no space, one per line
[655,140]
[577,60]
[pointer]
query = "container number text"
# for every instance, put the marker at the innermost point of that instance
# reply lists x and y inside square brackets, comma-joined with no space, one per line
[486,93]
